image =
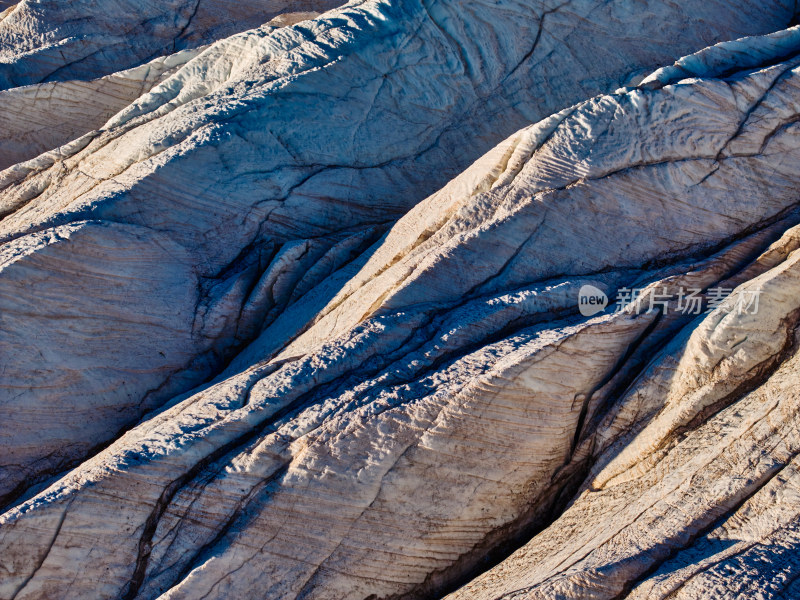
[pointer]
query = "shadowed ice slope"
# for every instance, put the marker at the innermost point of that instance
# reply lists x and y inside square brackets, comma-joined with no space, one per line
[411,406]
[50,40]
[139,258]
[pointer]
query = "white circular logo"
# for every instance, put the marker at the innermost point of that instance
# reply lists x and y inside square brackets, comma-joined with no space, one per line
[591,300]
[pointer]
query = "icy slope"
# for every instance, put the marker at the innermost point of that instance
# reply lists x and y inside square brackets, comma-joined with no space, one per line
[263,164]
[51,40]
[415,406]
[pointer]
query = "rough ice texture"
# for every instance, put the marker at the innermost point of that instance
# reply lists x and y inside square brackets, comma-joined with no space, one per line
[51,40]
[37,118]
[275,151]
[352,385]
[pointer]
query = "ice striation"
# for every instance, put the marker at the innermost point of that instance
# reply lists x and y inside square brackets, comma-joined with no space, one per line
[262,165]
[292,312]
[48,40]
